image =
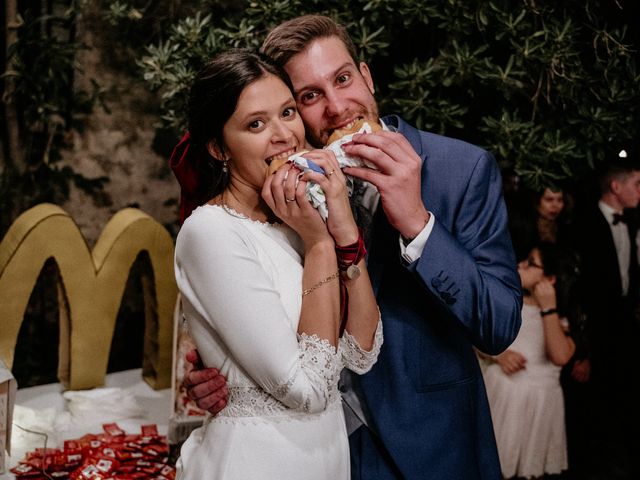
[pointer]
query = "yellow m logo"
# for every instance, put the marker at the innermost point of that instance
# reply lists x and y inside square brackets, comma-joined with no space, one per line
[92,284]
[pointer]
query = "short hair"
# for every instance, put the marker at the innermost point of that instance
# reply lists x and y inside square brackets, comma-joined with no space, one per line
[618,169]
[295,35]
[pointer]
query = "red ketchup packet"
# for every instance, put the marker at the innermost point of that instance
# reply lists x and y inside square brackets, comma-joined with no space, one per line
[113,454]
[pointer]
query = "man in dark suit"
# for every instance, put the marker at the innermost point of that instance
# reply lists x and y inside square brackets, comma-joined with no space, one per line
[609,253]
[441,263]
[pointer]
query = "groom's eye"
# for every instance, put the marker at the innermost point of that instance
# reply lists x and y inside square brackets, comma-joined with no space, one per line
[309,97]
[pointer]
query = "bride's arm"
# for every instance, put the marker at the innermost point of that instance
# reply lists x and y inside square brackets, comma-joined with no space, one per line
[363,315]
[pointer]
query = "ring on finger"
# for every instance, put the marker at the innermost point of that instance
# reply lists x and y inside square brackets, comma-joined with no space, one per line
[289,200]
[331,172]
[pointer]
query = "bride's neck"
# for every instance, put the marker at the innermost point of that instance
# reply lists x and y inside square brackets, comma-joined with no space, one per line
[246,201]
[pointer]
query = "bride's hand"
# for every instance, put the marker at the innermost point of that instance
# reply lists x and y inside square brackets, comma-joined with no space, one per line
[340,222]
[289,202]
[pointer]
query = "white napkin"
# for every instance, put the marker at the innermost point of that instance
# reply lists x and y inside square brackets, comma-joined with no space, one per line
[314,191]
[102,405]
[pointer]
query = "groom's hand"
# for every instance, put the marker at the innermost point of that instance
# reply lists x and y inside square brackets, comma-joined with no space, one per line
[397,178]
[205,386]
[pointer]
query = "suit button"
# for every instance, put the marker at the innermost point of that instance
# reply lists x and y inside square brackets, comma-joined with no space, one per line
[448,298]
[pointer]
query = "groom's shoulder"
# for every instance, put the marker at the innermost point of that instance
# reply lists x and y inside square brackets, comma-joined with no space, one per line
[448,149]
[439,147]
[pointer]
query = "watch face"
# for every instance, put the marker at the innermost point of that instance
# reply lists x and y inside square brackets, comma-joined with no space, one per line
[353,272]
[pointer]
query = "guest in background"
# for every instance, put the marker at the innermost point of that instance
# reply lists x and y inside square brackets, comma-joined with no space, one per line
[542,215]
[608,247]
[547,215]
[523,385]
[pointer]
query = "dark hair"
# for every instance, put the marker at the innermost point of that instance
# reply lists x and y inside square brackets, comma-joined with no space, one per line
[213,99]
[617,168]
[551,258]
[539,193]
[564,265]
[293,36]
[523,216]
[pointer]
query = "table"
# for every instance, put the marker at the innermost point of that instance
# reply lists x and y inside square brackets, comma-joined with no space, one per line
[156,405]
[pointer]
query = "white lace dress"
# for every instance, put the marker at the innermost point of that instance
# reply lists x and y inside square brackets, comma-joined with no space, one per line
[241,285]
[527,407]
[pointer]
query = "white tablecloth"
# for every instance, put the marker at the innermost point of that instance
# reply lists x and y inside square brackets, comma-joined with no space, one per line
[48,399]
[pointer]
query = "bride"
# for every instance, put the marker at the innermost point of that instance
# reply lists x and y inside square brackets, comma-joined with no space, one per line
[260,275]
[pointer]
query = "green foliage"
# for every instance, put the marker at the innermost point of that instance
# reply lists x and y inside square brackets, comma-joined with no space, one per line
[118,11]
[545,86]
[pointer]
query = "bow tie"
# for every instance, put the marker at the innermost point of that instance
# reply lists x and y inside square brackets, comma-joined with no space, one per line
[619,217]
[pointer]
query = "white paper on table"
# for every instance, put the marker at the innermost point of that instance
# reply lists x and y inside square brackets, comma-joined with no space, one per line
[101,405]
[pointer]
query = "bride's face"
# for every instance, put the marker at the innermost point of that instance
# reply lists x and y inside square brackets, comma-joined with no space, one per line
[264,126]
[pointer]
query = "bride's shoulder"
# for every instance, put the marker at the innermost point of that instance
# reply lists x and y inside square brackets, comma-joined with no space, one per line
[209,223]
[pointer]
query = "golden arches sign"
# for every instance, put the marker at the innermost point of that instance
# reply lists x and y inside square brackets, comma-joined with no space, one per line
[92,284]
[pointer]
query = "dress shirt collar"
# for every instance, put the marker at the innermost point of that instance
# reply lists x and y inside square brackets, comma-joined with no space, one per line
[608,211]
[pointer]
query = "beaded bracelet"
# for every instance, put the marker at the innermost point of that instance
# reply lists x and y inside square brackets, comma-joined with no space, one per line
[333,276]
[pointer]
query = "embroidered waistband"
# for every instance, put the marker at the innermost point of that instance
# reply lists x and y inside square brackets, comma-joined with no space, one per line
[255,402]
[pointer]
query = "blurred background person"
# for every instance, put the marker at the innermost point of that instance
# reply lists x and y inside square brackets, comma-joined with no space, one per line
[547,214]
[608,248]
[542,215]
[523,382]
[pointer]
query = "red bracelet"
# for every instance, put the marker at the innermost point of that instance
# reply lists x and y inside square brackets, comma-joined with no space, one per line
[348,258]
[350,255]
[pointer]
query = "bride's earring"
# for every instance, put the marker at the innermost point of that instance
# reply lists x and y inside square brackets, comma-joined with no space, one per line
[225,166]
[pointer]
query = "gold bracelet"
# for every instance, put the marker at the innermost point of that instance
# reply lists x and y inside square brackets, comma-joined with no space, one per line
[320,283]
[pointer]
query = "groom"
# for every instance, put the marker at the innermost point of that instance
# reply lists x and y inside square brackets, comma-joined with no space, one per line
[442,267]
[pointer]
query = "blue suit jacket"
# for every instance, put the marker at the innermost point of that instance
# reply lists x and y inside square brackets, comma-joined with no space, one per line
[425,395]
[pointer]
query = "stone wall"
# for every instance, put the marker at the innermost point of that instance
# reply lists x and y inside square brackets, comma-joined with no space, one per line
[117,145]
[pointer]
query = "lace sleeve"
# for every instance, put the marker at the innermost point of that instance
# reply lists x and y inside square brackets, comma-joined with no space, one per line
[321,365]
[354,357]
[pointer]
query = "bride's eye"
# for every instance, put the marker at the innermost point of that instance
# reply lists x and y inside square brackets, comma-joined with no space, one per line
[256,125]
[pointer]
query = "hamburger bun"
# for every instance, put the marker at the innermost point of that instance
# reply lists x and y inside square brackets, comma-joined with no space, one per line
[341,132]
[276,164]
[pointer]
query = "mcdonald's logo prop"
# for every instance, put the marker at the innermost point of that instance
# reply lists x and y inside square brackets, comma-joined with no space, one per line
[91,286]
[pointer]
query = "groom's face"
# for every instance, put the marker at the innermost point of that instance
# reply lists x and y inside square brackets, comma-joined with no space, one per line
[330,89]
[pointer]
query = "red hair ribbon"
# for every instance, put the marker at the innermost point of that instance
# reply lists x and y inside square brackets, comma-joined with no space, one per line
[186,162]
